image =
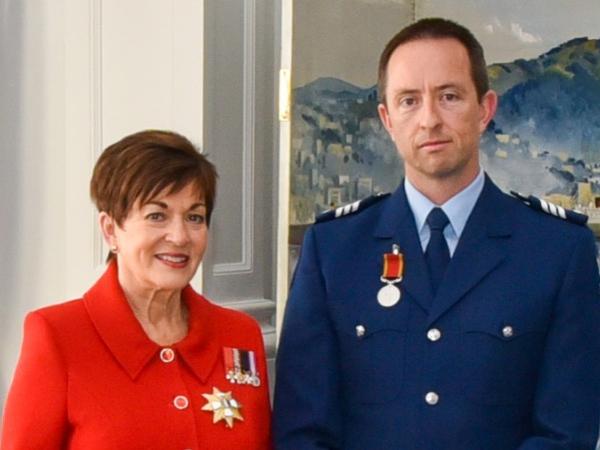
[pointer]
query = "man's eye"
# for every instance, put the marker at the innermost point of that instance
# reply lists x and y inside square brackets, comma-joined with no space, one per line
[408,102]
[449,97]
[196,218]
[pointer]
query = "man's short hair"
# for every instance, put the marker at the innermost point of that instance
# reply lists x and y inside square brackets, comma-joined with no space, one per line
[437,28]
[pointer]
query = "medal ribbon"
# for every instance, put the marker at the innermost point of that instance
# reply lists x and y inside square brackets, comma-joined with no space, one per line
[228,357]
[393,266]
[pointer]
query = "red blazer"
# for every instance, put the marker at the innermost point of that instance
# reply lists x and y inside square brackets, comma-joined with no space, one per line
[89,378]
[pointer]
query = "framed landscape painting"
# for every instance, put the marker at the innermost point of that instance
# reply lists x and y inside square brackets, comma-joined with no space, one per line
[544,140]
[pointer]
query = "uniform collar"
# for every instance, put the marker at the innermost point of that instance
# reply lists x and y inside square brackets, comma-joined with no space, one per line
[458,208]
[396,214]
[118,328]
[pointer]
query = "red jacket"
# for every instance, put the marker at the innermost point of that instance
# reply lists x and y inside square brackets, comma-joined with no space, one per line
[89,378]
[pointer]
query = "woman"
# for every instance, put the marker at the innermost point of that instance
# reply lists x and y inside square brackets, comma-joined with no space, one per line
[142,361]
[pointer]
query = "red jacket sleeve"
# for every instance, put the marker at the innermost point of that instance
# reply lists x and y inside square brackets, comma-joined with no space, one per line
[35,415]
[265,411]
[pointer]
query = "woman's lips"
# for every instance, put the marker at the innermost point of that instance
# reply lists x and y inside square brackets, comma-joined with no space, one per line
[177,261]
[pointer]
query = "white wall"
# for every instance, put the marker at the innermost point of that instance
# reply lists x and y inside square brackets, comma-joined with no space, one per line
[32,150]
[77,75]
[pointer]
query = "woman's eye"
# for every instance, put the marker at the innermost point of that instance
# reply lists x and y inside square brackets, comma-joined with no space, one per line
[196,218]
[156,216]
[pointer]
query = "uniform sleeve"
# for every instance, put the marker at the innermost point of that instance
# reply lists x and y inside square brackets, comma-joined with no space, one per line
[35,415]
[567,402]
[307,401]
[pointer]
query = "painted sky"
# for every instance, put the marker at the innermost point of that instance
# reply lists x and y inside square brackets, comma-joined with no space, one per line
[343,38]
[511,29]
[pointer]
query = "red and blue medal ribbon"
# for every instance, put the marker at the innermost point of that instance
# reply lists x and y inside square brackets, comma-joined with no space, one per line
[240,366]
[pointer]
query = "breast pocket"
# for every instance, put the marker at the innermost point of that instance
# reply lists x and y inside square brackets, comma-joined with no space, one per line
[500,360]
[371,359]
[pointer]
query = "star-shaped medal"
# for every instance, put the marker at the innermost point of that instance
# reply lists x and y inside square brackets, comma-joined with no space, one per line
[223,406]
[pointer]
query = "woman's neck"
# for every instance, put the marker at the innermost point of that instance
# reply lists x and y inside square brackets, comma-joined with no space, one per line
[163,315]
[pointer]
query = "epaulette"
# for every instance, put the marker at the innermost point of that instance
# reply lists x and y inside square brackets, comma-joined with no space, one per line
[552,209]
[350,208]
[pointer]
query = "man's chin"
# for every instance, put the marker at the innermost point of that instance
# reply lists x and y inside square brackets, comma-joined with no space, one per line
[443,168]
[441,172]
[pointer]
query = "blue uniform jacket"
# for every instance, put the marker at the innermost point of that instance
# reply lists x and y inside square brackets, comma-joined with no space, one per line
[516,364]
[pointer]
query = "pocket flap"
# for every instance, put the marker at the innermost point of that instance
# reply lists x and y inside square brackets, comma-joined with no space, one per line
[506,328]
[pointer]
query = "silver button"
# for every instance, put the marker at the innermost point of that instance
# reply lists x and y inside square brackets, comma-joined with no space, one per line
[434,335]
[360,331]
[432,398]
[181,402]
[167,355]
[507,331]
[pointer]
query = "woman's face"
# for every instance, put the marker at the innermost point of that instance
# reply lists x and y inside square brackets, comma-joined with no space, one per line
[160,243]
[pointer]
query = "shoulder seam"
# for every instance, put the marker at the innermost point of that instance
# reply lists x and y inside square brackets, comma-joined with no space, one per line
[350,208]
[551,209]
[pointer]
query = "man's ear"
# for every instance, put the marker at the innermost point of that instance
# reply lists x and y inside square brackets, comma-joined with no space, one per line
[487,109]
[385,118]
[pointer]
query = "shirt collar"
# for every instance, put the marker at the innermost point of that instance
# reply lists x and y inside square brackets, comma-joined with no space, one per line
[117,326]
[458,208]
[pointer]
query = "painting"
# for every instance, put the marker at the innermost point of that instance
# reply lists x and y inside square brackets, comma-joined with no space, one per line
[339,151]
[544,140]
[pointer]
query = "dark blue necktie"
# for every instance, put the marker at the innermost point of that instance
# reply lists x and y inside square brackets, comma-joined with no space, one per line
[437,254]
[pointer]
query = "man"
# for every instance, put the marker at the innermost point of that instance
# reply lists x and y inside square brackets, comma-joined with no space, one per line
[448,315]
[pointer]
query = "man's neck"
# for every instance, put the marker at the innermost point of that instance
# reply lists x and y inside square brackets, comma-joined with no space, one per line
[440,190]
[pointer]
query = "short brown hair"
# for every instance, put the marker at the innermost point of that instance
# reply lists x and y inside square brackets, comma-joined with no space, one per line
[437,28]
[143,164]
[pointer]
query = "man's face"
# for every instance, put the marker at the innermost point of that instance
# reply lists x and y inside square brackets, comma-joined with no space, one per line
[432,112]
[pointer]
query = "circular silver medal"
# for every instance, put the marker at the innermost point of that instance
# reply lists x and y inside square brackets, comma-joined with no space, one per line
[388,295]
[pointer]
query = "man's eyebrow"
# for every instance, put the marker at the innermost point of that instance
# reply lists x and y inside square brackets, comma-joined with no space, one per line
[404,91]
[441,87]
[450,86]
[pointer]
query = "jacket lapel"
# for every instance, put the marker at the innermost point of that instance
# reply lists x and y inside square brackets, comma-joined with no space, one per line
[123,335]
[481,248]
[202,347]
[116,325]
[398,224]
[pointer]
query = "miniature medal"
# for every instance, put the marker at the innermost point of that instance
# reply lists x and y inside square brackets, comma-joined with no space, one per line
[240,366]
[223,406]
[393,268]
